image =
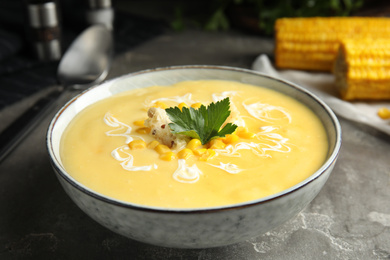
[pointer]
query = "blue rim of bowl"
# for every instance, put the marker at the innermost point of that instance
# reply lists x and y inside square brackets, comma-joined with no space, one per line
[325,166]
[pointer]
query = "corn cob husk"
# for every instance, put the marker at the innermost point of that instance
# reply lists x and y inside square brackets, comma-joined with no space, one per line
[362,69]
[312,43]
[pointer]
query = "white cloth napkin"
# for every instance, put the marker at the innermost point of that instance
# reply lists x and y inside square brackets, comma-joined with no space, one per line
[322,85]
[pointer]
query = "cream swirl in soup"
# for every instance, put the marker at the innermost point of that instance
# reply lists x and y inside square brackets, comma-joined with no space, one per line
[122,147]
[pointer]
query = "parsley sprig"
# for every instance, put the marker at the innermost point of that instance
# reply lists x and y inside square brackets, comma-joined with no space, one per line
[203,123]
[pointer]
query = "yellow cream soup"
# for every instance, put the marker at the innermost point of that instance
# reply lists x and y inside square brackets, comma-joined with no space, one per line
[287,145]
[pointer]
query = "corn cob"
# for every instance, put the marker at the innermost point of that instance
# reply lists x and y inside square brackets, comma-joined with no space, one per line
[312,43]
[362,69]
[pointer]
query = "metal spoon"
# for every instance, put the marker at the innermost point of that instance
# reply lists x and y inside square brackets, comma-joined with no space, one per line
[87,60]
[85,63]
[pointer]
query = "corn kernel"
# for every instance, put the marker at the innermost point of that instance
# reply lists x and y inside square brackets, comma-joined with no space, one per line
[168,156]
[160,104]
[193,144]
[230,138]
[384,113]
[137,144]
[143,130]
[244,133]
[196,105]
[185,153]
[208,155]
[240,129]
[200,151]
[181,105]
[162,148]
[153,144]
[247,135]
[216,144]
[139,123]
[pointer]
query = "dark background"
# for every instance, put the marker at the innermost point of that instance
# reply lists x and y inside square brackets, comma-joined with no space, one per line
[136,21]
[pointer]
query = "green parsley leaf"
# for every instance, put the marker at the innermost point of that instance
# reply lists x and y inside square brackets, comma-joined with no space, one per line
[203,123]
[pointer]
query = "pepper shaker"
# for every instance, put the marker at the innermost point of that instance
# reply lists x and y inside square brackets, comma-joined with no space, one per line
[44,29]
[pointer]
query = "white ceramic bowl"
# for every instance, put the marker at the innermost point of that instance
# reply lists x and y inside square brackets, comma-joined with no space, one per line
[199,227]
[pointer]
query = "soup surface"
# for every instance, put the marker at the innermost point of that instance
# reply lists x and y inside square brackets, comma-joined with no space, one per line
[109,147]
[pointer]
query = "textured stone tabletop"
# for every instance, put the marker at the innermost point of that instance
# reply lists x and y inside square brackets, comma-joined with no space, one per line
[349,219]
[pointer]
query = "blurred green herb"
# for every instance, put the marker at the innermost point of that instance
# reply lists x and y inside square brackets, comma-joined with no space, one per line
[218,14]
[178,23]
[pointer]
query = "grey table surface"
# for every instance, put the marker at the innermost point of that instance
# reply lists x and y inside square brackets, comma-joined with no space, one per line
[349,219]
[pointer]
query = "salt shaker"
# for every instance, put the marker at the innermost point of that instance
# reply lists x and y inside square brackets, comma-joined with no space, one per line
[100,12]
